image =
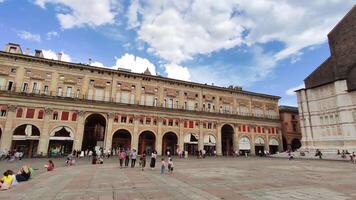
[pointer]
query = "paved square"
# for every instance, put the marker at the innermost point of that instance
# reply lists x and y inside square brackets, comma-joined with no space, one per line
[211,178]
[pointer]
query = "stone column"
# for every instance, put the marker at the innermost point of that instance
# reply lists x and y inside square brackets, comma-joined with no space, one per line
[135,136]
[6,138]
[181,135]
[201,136]
[45,134]
[218,141]
[108,135]
[280,143]
[236,138]
[267,142]
[159,137]
[78,136]
[252,145]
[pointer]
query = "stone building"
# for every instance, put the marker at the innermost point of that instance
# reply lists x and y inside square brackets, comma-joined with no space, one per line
[49,107]
[290,127]
[327,104]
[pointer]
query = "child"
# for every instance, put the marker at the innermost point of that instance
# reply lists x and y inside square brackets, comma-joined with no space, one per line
[163,166]
[6,180]
[49,166]
[170,165]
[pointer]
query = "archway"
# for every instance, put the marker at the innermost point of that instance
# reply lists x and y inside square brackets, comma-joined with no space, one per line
[285,144]
[259,146]
[60,141]
[227,134]
[25,139]
[146,142]
[191,143]
[209,144]
[169,143]
[296,144]
[94,131]
[273,146]
[121,139]
[244,145]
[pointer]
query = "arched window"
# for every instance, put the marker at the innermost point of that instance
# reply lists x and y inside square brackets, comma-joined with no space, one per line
[74,116]
[40,114]
[19,112]
[55,115]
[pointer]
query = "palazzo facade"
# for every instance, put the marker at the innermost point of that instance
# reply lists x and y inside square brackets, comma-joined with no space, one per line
[53,107]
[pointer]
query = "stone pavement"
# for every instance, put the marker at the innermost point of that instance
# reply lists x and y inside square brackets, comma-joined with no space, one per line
[211,178]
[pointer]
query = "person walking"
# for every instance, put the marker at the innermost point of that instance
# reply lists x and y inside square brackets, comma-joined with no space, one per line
[143,160]
[127,157]
[153,159]
[133,158]
[163,166]
[122,156]
[170,166]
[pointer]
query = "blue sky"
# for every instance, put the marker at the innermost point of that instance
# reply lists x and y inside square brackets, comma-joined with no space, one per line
[263,46]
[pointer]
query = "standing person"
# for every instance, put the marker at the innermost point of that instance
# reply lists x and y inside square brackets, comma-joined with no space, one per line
[143,160]
[170,166]
[127,157]
[163,166]
[122,156]
[133,158]
[94,155]
[153,159]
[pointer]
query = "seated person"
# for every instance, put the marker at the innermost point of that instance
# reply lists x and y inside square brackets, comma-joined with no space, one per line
[23,174]
[49,166]
[6,180]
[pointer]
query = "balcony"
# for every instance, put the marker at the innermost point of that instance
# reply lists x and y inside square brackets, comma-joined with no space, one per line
[102,99]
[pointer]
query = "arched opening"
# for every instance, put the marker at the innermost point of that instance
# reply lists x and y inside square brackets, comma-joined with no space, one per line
[259,146]
[285,144]
[296,144]
[169,143]
[191,143]
[227,133]
[244,145]
[209,144]
[60,141]
[146,142]
[94,132]
[25,139]
[121,139]
[273,146]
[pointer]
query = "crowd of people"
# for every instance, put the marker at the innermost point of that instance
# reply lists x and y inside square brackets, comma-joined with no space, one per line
[11,155]
[345,153]
[11,179]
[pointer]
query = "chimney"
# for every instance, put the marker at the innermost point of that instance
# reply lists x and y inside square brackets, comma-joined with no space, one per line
[27,51]
[59,56]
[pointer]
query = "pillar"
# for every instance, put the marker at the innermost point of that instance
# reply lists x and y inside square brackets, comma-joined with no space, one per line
[135,136]
[236,139]
[201,136]
[280,143]
[6,138]
[218,141]
[267,141]
[181,135]
[78,136]
[108,134]
[159,137]
[44,135]
[253,145]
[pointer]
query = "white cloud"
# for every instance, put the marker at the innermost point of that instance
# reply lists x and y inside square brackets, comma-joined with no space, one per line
[52,34]
[97,64]
[49,54]
[135,64]
[78,13]
[291,92]
[177,72]
[29,36]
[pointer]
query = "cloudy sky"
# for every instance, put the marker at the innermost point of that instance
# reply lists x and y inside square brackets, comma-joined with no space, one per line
[266,46]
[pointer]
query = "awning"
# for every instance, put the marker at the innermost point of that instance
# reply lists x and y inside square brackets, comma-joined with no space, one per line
[209,140]
[244,143]
[191,138]
[273,142]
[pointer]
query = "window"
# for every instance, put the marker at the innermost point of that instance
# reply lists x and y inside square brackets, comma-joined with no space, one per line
[141,121]
[2,113]
[130,120]
[59,91]
[170,122]
[170,105]
[191,124]
[69,92]
[40,114]
[154,122]
[10,85]
[164,103]
[78,93]
[148,120]
[164,122]
[30,113]
[24,87]
[45,90]
[34,87]
[132,99]
[74,116]
[55,115]
[116,119]
[209,126]
[13,70]
[294,127]
[293,116]
[123,119]
[12,49]
[142,102]
[19,113]
[177,104]
[65,116]
[155,102]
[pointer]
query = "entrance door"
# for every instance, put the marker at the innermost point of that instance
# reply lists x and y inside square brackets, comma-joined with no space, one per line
[121,139]
[94,131]
[169,143]
[146,142]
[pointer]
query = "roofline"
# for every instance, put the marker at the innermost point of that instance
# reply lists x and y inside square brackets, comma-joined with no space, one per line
[81,65]
[347,14]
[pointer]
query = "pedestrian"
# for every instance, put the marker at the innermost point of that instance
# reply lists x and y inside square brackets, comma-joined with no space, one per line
[133,158]
[49,166]
[143,160]
[153,159]
[122,156]
[94,155]
[127,157]
[163,166]
[170,166]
